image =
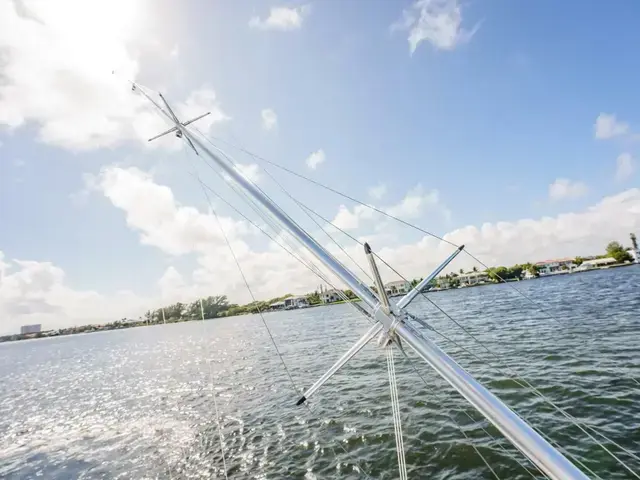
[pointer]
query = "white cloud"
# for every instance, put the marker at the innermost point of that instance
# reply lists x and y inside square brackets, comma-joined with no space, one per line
[415,202]
[57,72]
[153,211]
[315,159]
[281,18]
[36,292]
[563,188]
[175,51]
[18,162]
[269,119]
[607,126]
[437,21]
[625,166]
[350,220]
[378,191]
[251,171]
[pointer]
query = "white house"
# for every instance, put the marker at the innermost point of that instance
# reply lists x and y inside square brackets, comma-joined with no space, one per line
[330,296]
[397,287]
[549,267]
[597,263]
[473,278]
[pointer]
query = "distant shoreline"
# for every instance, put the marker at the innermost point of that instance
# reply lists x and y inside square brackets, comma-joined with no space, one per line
[121,325]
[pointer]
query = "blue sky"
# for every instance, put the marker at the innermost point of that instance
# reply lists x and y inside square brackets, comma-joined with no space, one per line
[496,109]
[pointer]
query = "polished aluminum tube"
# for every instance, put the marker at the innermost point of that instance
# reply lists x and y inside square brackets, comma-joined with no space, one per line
[408,298]
[366,338]
[526,439]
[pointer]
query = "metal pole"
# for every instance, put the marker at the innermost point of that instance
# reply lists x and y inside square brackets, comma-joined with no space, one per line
[408,298]
[525,438]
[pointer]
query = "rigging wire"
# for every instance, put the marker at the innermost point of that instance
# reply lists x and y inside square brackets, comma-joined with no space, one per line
[215,402]
[395,409]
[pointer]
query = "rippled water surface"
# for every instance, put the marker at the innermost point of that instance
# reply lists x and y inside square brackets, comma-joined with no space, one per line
[140,403]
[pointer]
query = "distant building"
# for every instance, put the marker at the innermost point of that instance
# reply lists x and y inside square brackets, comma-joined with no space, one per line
[277,306]
[30,328]
[397,287]
[473,278]
[597,263]
[296,302]
[330,296]
[549,267]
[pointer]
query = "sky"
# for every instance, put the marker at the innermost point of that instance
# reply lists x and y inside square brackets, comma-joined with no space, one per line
[510,127]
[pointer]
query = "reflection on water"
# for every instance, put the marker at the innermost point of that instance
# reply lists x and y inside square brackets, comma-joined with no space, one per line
[139,403]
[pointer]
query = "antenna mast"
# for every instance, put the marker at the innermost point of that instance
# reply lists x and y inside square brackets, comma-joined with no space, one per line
[391,319]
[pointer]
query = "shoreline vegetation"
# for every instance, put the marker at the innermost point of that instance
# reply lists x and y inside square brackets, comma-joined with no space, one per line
[219,307]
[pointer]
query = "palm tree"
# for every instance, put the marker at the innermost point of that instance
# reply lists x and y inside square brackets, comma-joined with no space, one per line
[475,269]
[461,271]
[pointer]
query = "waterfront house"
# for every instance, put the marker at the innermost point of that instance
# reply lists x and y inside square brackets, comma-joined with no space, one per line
[397,287]
[330,296]
[299,301]
[277,306]
[550,267]
[473,278]
[596,263]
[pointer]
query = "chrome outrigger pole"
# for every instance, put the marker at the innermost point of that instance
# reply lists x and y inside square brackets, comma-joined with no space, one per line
[391,319]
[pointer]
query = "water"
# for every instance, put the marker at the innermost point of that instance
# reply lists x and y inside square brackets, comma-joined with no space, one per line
[138,403]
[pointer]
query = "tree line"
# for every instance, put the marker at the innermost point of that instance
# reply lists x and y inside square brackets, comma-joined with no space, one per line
[219,306]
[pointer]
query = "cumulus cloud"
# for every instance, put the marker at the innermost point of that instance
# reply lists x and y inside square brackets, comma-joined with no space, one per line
[36,292]
[153,211]
[607,126]
[281,18]
[269,119]
[437,21]
[564,188]
[352,219]
[378,191]
[251,171]
[415,203]
[625,166]
[57,72]
[315,159]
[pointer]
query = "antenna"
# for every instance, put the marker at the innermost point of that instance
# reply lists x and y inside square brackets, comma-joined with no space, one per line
[178,127]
